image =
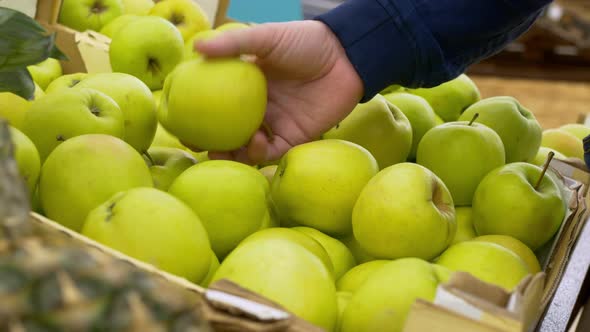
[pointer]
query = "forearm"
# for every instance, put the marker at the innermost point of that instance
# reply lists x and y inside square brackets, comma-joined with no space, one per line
[425,43]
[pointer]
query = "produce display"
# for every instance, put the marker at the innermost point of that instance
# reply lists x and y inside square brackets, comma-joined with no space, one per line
[346,231]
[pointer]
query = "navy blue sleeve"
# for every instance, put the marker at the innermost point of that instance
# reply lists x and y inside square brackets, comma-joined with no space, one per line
[423,43]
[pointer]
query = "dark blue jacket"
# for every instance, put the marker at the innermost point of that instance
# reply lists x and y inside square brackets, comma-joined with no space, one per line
[423,43]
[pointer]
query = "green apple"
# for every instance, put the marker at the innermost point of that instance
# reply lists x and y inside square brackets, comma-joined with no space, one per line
[359,254]
[487,261]
[13,108]
[355,277]
[461,153]
[519,248]
[269,172]
[87,111]
[380,127]
[65,82]
[404,211]
[438,120]
[229,197]
[577,129]
[419,113]
[383,301]
[157,95]
[165,139]
[318,183]
[149,59]
[564,142]
[232,26]
[189,45]
[85,15]
[168,164]
[27,159]
[214,105]
[287,273]
[516,125]
[38,92]
[85,171]
[45,72]
[391,89]
[186,15]
[137,7]
[212,269]
[136,102]
[449,99]
[510,200]
[154,227]
[36,202]
[465,230]
[541,157]
[342,299]
[341,257]
[117,24]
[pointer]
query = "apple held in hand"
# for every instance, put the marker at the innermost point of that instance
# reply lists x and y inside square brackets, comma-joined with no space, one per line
[318,183]
[168,164]
[521,201]
[186,15]
[85,171]
[269,172]
[27,159]
[404,211]
[13,108]
[62,115]
[189,45]
[85,15]
[564,142]
[149,59]
[45,72]
[214,105]
[65,82]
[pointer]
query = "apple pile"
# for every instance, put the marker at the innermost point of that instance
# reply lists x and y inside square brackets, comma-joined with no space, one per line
[345,231]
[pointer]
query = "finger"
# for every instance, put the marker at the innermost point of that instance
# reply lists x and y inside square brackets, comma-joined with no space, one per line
[258,40]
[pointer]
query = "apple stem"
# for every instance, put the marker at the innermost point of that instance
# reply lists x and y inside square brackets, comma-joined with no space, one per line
[474,118]
[545,167]
[268,131]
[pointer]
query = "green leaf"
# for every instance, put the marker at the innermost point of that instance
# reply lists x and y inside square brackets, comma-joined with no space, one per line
[23,41]
[17,81]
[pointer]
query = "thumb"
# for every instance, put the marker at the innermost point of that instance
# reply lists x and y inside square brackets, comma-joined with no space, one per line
[258,40]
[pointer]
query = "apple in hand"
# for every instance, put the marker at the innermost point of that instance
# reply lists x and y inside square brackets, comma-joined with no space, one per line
[186,15]
[65,82]
[378,126]
[269,172]
[564,142]
[27,159]
[517,247]
[149,59]
[154,227]
[461,153]
[189,45]
[541,156]
[229,197]
[214,105]
[13,108]
[117,24]
[62,115]
[517,126]
[465,230]
[404,211]
[355,277]
[45,72]
[577,129]
[449,99]
[318,183]
[85,171]
[85,15]
[137,7]
[136,102]
[168,164]
[510,200]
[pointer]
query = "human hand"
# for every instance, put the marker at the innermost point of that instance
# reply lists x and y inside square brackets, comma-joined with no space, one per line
[311,83]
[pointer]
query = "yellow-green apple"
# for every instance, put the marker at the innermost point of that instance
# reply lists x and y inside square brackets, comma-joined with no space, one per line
[450,98]
[36,202]
[136,102]
[269,172]
[149,59]
[342,299]
[519,248]
[229,197]
[564,142]
[404,211]
[516,125]
[212,269]
[322,193]
[64,114]
[465,230]
[157,95]
[165,139]
[65,82]
[438,120]
[45,72]
[541,156]
[163,232]
[383,301]
[13,108]
[27,159]
[577,129]
[168,164]
[419,113]
[137,7]
[487,261]
[341,257]
[392,88]
[380,127]
[355,277]
[287,273]
[521,201]
[85,15]
[38,92]
[232,26]
[186,15]
[461,153]
[117,24]
[359,254]
[85,171]
[215,104]
[189,45]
